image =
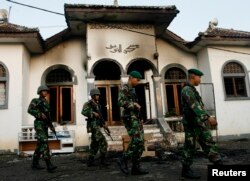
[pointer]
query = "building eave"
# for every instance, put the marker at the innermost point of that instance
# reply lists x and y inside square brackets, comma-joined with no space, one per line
[32,40]
[77,16]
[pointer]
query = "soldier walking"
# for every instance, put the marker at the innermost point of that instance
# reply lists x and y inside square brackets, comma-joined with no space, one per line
[39,108]
[196,123]
[95,121]
[131,109]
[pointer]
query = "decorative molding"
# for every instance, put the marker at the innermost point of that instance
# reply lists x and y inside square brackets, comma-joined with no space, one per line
[119,26]
[119,49]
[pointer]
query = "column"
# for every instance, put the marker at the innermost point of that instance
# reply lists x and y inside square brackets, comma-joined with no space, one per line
[90,81]
[158,95]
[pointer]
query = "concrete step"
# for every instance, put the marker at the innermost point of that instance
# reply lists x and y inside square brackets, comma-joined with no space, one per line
[118,131]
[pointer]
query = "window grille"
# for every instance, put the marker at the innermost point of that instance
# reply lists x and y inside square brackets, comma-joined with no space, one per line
[58,75]
[2,71]
[232,68]
[175,74]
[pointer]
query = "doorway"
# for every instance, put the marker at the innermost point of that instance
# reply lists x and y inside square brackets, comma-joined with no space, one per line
[174,80]
[61,104]
[140,93]
[59,81]
[107,79]
[109,101]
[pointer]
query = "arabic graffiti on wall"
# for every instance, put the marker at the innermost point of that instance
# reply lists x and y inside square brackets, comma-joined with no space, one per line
[119,49]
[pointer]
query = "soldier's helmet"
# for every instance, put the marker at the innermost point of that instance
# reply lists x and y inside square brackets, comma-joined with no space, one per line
[42,88]
[94,92]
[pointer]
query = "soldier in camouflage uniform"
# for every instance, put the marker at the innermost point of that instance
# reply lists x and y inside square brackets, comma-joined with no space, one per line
[196,125]
[39,108]
[95,121]
[128,101]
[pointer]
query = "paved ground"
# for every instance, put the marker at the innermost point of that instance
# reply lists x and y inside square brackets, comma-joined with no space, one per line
[72,166]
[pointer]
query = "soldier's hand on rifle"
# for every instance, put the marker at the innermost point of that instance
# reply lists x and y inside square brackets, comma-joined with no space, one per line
[137,105]
[96,115]
[105,126]
[52,129]
[212,121]
[43,116]
[106,129]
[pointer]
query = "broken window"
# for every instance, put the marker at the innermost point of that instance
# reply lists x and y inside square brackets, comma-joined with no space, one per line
[234,80]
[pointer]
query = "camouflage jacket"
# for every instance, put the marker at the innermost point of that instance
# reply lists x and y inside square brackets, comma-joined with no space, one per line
[193,107]
[88,109]
[37,107]
[126,100]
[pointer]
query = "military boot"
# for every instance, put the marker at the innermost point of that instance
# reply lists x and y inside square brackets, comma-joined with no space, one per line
[215,159]
[35,163]
[188,173]
[123,164]
[91,161]
[104,161]
[50,166]
[137,170]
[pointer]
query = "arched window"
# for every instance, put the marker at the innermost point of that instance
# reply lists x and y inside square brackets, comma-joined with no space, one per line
[175,75]
[58,76]
[234,80]
[60,82]
[4,78]
[174,79]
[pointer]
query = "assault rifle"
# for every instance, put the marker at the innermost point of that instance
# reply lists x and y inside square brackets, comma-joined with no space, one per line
[48,118]
[102,122]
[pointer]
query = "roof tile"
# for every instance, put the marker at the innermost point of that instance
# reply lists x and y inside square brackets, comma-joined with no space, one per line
[12,28]
[225,33]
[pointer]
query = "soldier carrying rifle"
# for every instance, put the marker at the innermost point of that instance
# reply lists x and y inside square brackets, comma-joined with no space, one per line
[128,101]
[39,108]
[95,121]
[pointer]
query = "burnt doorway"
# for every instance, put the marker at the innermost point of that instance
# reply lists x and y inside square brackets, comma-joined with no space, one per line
[140,92]
[174,81]
[144,88]
[109,103]
[107,80]
[60,98]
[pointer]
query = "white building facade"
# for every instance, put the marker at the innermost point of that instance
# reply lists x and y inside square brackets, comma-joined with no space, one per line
[101,45]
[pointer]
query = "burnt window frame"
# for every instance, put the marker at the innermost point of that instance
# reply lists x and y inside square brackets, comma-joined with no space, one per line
[59,86]
[174,83]
[5,80]
[234,76]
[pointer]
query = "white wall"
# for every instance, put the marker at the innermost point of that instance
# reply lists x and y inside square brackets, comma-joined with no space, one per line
[26,83]
[100,37]
[10,119]
[72,54]
[204,65]
[170,54]
[233,116]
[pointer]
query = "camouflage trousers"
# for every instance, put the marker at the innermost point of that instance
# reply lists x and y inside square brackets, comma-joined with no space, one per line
[98,142]
[136,144]
[203,136]
[42,148]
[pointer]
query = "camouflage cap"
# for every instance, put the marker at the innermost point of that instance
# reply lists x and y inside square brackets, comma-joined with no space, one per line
[135,74]
[195,72]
